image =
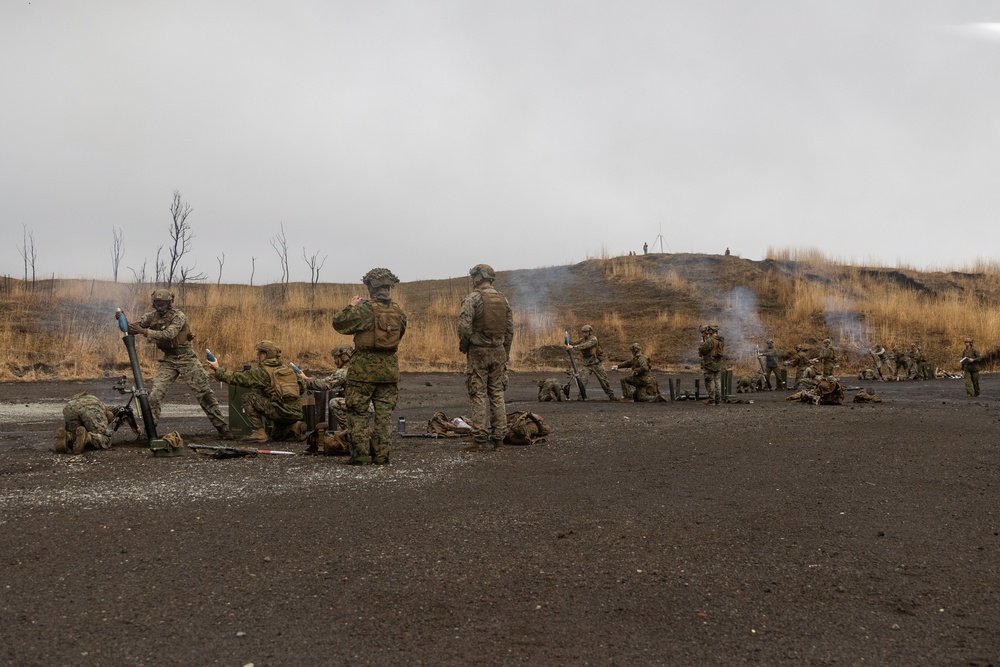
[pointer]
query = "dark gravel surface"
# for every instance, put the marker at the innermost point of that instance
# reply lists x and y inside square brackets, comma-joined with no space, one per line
[770,533]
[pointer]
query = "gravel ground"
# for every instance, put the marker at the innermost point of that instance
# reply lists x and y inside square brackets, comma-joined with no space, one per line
[770,533]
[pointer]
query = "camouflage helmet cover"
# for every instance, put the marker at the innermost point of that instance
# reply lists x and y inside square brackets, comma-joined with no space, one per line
[586,328]
[484,272]
[378,277]
[634,347]
[161,295]
[826,341]
[342,351]
[269,348]
[968,340]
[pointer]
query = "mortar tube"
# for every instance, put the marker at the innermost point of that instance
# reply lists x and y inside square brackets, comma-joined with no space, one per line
[697,389]
[670,383]
[140,389]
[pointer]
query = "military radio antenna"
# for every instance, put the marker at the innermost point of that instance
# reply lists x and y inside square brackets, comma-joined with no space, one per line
[659,239]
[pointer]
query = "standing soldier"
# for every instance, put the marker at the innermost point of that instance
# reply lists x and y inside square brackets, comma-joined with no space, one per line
[168,328]
[638,387]
[827,357]
[87,422]
[801,363]
[881,360]
[771,365]
[593,357]
[920,363]
[711,351]
[378,325]
[485,334]
[902,363]
[277,391]
[970,366]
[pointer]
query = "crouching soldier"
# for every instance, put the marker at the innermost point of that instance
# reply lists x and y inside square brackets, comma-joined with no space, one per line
[276,394]
[640,386]
[87,422]
[335,382]
[549,389]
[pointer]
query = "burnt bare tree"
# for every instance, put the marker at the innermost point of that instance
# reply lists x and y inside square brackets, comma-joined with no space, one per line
[28,254]
[253,268]
[180,236]
[315,265]
[160,266]
[117,251]
[140,275]
[221,260]
[280,245]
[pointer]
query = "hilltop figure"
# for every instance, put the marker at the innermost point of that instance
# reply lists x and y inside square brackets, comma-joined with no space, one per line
[645,248]
[485,334]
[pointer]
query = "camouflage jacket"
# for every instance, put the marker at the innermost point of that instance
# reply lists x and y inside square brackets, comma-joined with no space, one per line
[367,364]
[333,382]
[164,329]
[472,312]
[639,365]
[710,361]
[549,386]
[971,366]
[770,357]
[84,403]
[587,347]
[258,380]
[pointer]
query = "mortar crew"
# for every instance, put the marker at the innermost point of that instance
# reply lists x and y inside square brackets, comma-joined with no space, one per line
[485,334]
[711,351]
[276,394]
[336,382]
[168,328]
[593,358]
[377,324]
[549,389]
[801,363]
[881,360]
[771,365]
[827,357]
[87,421]
[637,386]
[970,367]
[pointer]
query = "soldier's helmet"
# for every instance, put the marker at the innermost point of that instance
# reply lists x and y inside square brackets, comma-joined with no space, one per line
[380,277]
[704,328]
[713,327]
[634,347]
[769,342]
[269,348]
[586,328]
[826,341]
[541,383]
[342,351]
[162,295]
[968,340]
[482,272]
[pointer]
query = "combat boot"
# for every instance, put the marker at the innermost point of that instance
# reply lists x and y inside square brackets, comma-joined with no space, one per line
[380,460]
[475,446]
[497,445]
[612,397]
[300,431]
[258,435]
[225,433]
[80,440]
[61,439]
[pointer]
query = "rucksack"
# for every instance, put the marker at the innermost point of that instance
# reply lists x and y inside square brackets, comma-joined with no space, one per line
[284,384]
[525,428]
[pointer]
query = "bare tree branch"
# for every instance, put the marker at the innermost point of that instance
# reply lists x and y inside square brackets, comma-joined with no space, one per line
[221,260]
[280,245]
[180,235]
[117,251]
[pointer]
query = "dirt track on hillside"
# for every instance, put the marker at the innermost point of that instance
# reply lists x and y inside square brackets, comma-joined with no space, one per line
[771,533]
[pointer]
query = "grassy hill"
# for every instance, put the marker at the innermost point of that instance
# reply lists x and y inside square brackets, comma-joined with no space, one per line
[65,328]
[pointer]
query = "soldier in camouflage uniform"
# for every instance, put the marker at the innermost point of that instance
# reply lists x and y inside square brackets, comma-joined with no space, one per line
[87,422]
[827,357]
[920,370]
[639,386]
[970,367]
[881,360]
[485,335]
[549,389]
[590,350]
[276,394]
[771,365]
[335,382]
[711,351]
[168,328]
[377,325]
[902,361]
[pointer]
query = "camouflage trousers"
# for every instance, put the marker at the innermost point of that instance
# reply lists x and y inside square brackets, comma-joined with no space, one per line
[777,378]
[258,407]
[972,383]
[184,365]
[486,380]
[370,442]
[338,410]
[713,385]
[597,369]
[90,415]
[639,389]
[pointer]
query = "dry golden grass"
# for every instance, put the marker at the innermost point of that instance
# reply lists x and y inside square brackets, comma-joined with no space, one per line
[66,328]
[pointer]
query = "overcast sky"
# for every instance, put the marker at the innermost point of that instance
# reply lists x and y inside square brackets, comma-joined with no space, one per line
[431,135]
